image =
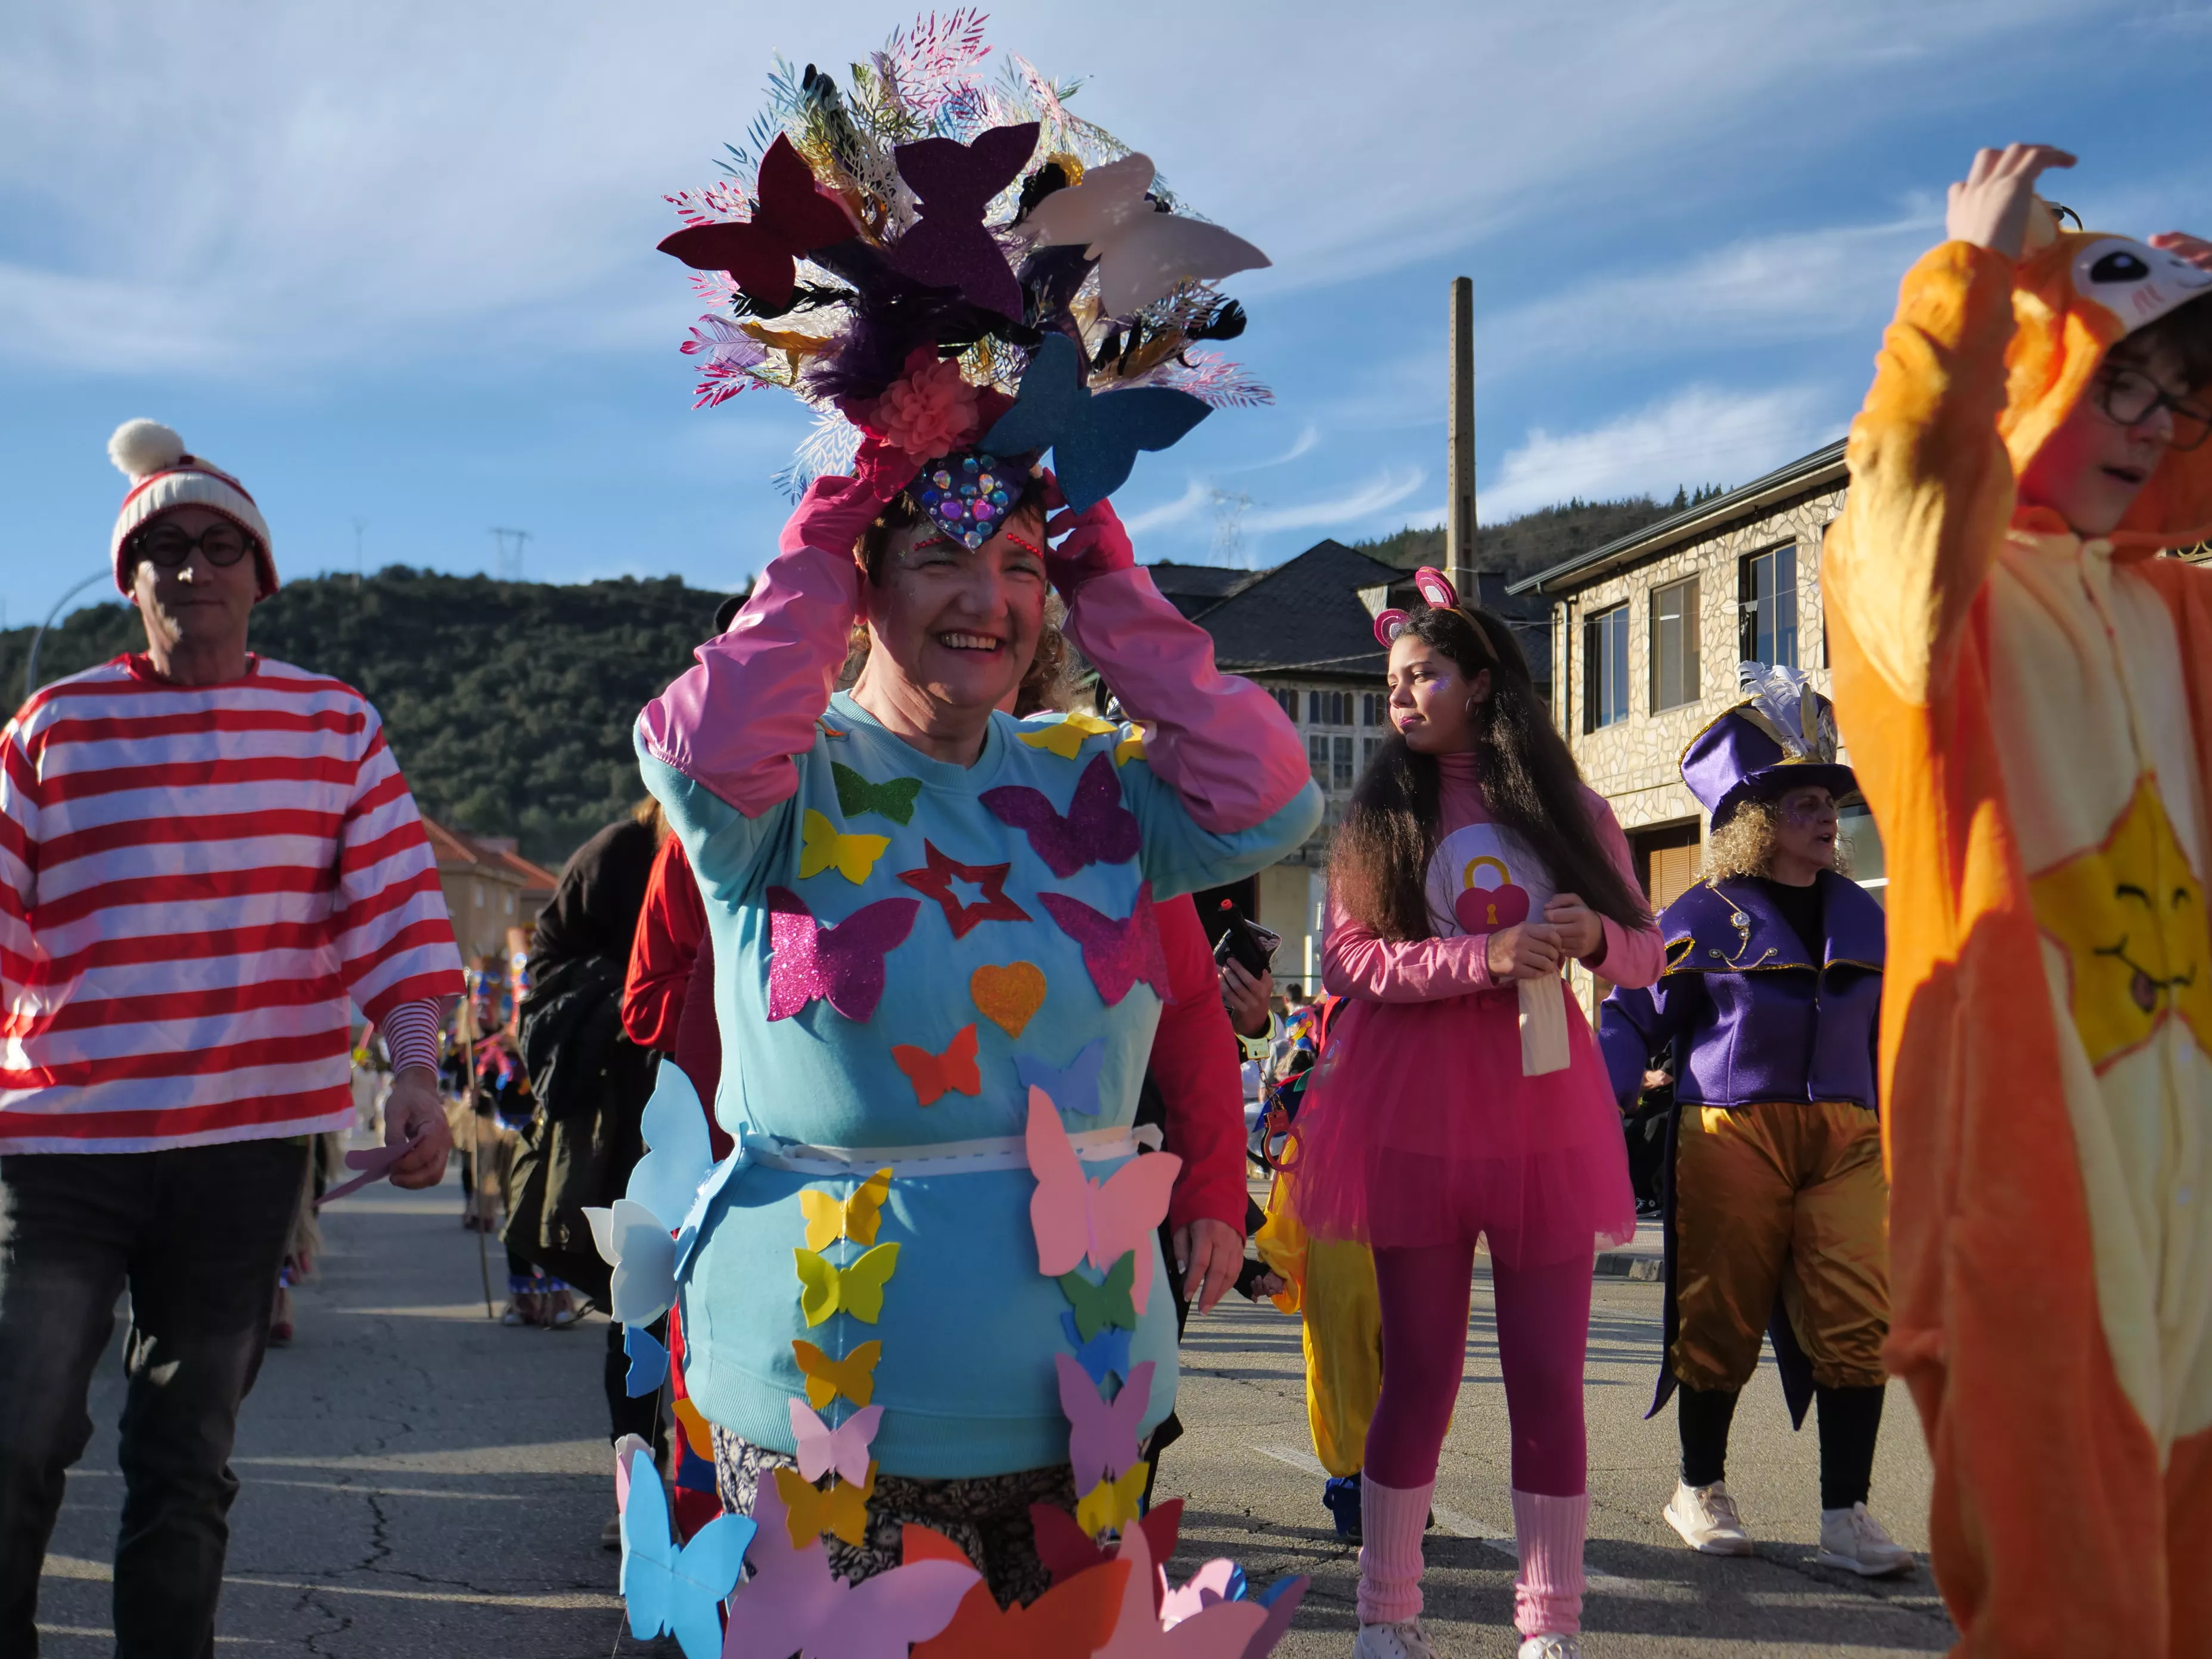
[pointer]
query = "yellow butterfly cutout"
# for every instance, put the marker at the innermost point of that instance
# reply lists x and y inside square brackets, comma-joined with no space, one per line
[830,1217]
[1132,746]
[1066,737]
[853,1376]
[858,1289]
[810,1511]
[697,1434]
[1107,1507]
[822,847]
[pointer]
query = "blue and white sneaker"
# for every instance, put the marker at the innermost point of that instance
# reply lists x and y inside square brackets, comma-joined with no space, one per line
[1339,1495]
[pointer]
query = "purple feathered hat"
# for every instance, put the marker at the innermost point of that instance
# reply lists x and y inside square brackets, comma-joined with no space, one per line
[1782,737]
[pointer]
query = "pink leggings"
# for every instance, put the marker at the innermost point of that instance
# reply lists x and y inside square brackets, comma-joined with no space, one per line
[1543,1327]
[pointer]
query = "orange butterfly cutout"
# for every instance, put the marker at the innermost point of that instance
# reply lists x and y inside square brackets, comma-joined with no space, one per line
[1074,1616]
[853,1376]
[809,1510]
[934,1075]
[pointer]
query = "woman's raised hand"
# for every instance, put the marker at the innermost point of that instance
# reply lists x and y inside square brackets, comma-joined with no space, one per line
[836,510]
[1095,542]
[1581,932]
[1532,951]
[1989,206]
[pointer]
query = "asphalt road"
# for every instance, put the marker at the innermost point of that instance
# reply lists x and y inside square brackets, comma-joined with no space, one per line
[419,1481]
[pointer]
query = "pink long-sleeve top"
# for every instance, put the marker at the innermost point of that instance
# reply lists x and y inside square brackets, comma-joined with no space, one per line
[1357,961]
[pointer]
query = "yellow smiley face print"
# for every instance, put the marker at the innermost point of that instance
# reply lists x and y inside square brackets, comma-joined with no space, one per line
[2131,916]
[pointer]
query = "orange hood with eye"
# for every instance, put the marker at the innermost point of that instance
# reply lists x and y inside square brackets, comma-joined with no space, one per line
[2074,298]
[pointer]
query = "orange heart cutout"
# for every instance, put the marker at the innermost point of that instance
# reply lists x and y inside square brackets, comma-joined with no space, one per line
[1009,997]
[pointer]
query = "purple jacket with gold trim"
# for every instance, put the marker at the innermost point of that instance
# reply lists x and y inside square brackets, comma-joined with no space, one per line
[1753,1017]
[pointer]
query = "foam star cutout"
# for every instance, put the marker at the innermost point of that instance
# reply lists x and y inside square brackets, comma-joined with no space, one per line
[936,879]
[1065,737]
[1132,746]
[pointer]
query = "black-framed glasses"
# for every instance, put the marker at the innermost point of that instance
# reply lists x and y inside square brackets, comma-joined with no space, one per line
[2128,395]
[167,546]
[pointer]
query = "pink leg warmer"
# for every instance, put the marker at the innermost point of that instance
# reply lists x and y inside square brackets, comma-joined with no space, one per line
[1548,1597]
[1391,1520]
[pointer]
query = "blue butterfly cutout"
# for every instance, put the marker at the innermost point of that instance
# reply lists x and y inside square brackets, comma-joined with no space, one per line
[679,1155]
[1073,1087]
[1093,439]
[676,1590]
[1108,1350]
[648,1361]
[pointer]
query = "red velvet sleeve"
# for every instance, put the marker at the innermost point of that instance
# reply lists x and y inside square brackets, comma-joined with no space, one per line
[1194,1062]
[669,929]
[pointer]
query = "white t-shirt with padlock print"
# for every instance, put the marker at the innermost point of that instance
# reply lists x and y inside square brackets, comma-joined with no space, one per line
[1483,878]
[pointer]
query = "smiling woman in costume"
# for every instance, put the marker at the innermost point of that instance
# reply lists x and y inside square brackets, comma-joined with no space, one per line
[1459,1095]
[937,967]
[1776,1203]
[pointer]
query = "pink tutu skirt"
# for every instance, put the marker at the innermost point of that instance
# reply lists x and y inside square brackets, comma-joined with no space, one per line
[1418,1128]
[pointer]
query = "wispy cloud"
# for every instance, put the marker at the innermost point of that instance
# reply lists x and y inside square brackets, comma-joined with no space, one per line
[1379,494]
[1702,435]
[1197,495]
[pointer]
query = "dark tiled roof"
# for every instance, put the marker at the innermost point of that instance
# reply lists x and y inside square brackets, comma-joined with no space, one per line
[1304,616]
[1192,588]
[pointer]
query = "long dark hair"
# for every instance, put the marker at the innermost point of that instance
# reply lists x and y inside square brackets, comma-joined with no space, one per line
[1379,866]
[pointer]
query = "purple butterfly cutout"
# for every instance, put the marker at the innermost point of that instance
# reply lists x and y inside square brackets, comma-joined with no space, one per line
[1096,829]
[843,964]
[1116,954]
[956,182]
[1103,1442]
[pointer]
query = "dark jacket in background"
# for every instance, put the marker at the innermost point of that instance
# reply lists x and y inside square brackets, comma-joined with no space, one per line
[589,1080]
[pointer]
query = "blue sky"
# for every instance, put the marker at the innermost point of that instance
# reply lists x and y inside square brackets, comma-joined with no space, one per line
[395,264]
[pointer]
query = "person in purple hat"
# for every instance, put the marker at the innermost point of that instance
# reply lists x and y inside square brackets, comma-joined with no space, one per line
[1776,1203]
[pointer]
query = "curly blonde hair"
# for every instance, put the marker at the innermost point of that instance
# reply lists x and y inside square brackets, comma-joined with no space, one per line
[1743,847]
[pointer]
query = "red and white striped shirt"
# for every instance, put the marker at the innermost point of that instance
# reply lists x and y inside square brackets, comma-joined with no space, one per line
[195,881]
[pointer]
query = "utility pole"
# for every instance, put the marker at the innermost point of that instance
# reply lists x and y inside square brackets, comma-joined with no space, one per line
[500,534]
[1459,471]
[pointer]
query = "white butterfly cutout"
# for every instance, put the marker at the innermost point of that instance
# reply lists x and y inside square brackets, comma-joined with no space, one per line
[1143,254]
[632,1240]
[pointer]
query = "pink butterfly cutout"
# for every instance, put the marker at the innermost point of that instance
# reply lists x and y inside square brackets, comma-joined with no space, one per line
[843,964]
[1074,1217]
[1225,1630]
[1116,954]
[1102,1442]
[793,1604]
[844,1448]
[1209,1585]
[1096,829]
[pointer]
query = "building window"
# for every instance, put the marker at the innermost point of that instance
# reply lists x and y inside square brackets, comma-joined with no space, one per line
[1328,708]
[1367,747]
[1317,757]
[1605,668]
[510,904]
[1288,700]
[1371,706]
[1675,645]
[1767,596]
[476,887]
[1340,776]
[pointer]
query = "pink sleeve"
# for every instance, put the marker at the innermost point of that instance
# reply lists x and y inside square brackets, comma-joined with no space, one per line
[1359,962]
[1632,958]
[733,720]
[1219,741]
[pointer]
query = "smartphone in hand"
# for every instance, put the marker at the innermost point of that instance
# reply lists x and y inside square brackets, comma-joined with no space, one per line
[1252,945]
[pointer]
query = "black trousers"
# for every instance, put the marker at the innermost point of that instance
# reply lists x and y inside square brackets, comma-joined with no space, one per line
[197,1234]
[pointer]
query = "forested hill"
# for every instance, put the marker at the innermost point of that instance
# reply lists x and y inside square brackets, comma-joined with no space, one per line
[1537,541]
[509,704]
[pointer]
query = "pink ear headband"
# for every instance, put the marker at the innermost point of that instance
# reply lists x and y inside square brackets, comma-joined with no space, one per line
[1436,588]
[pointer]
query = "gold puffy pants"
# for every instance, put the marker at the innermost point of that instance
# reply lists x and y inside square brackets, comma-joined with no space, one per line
[1332,1289]
[1784,1196]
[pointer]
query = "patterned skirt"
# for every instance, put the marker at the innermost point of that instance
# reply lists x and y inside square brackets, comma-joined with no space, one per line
[987,1516]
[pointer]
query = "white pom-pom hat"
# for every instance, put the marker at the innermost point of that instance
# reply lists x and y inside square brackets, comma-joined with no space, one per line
[162,475]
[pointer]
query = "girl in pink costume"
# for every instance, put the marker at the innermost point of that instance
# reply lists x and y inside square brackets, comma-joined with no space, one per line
[1462,1095]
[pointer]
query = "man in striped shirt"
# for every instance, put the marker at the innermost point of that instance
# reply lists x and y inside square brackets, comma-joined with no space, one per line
[205,858]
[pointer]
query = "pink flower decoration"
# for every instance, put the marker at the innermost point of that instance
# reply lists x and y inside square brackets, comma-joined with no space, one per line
[930,411]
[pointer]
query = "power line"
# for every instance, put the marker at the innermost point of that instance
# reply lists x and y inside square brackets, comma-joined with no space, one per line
[504,539]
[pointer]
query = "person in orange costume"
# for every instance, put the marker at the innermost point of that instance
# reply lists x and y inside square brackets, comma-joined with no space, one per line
[2027,694]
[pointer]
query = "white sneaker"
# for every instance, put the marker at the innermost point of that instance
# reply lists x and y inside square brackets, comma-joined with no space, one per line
[1403,1640]
[1854,1540]
[1552,1647]
[1706,1518]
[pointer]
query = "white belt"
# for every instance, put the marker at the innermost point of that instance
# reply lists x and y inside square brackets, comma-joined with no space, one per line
[942,1158]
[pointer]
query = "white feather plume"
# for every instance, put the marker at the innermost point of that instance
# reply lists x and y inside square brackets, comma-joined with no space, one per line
[1800,721]
[141,447]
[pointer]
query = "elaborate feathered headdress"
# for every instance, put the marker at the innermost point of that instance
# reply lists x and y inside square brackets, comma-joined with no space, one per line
[1780,738]
[962,268]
